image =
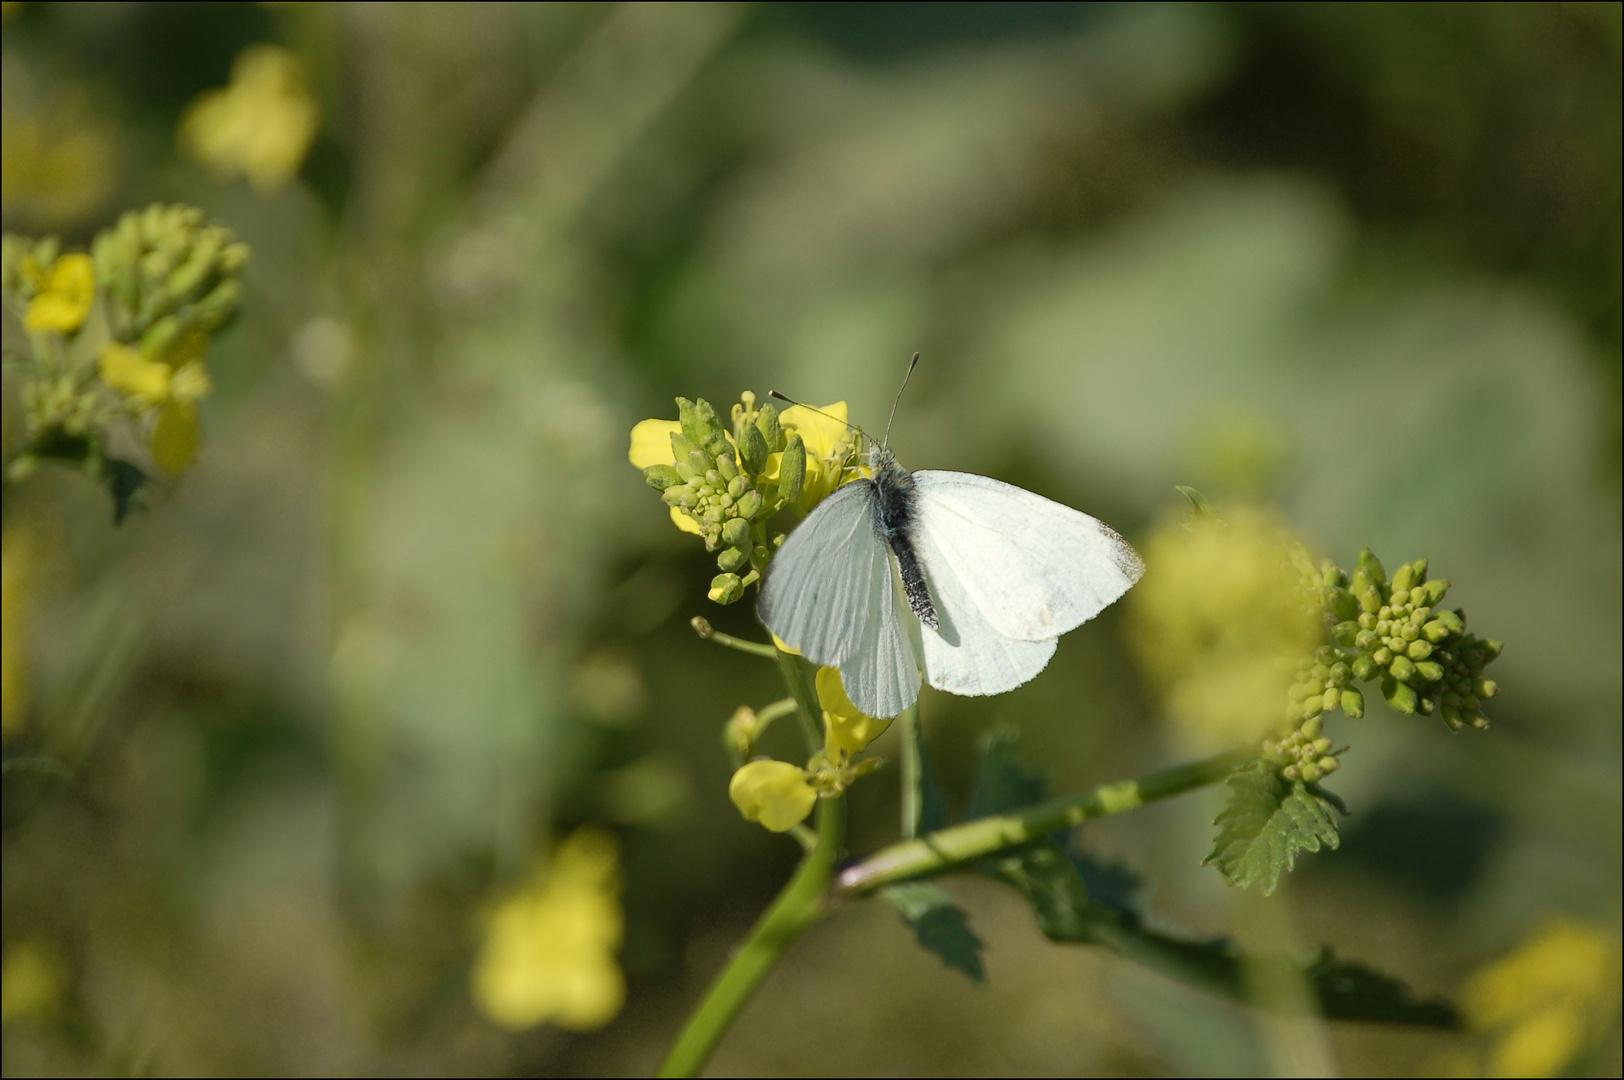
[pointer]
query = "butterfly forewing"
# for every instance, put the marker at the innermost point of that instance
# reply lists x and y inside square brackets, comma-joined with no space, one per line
[830,592]
[1033,568]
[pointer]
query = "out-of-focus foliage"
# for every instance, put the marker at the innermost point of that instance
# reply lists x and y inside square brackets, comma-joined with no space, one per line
[285,748]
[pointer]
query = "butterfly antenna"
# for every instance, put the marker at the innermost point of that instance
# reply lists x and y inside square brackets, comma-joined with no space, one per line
[814,408]
[898,400]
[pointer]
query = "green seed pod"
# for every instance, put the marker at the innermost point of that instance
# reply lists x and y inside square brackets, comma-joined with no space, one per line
[771,430]
[660,477]
[1418,650]
[1364,668]
[792,470]
[1339,602]
[753,448]
[1353,702]
[749,504]
[733,558]
[736,533]
[1429,670]
[1372,567]
[1401,669]
[726,588]
[1398,695]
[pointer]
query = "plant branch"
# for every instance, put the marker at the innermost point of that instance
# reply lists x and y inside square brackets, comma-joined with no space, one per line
[703,628]
[811,714]
[797,907]
[950,848]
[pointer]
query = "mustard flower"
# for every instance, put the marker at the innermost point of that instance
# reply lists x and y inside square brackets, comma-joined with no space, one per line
[549,950]
[172,385]
[260,126]
[775,793]
[847,730]
[70,290]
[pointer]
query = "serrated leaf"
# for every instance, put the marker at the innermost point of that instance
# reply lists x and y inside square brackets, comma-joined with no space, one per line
[1265,824]
[939,925]
[1003,784]
[1054,885]
[1111,884]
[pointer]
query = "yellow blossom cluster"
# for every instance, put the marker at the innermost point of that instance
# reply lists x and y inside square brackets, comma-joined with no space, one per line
[260,126]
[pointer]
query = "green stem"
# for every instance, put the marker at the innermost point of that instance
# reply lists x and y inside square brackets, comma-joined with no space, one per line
[947,849]
[811,714]
[703,628]
[797,907]
[912,796]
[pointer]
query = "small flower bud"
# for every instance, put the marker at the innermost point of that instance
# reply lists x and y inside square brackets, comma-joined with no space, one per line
[660,477]
[1313,707]
[1365,640]
[1311,728]
[767,424]
[733,558]
[736,533]
[1491,649]
[1353,703]
[753,448]
[1329,699]
[726,467]
[1485,688]
[1369,599]
[1478,721]
[1328,765]
[1364,668]
[1340,673]
[1398,695]
[1401,669]
[1310,773]
[726,588]
[1367,621]
[1429,670]
[698,420]
[792,469]
[1291,772]
[749,504]
[1339,602]
[1382,656]
[1372,566]
[1404,578]
[1418,650]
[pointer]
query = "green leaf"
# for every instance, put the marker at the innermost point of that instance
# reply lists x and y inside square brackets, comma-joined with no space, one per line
[1055,887]
[1003,784]
[939,925]
[1264,825]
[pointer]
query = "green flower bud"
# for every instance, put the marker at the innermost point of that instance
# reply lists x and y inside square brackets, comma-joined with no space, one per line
[1313,688]
[672,496]
[725,466]
[1274,753]
[1302,561]
[1310,773]
[1313,707]
[189,276]
[1372,567]
[792,470]
[1401,669]
[1418,650]
[699,421]
[753,448]
[733,558]
[1404,578]
[1429,670]
[1339,602]
[1364,668]
[1329,699]
[1409,631]
[716,445]
[1311,728]
[1347,633]
[1339,674]
[1291,772]
[660,477]
[1382,656]
[1425,705]
[1485,688]
[767,424]
[1370,599]
[735,533]
[1353,703]
[1398,695]
[1478,721]
[726,588]
[700,462]
[1491,649]
[1367,621]
[1328,765]
[749,504]
[681,447]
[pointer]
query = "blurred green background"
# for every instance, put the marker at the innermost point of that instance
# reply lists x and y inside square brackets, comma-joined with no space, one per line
[412,617]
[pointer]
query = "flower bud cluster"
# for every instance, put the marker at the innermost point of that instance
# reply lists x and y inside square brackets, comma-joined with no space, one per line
[1304,753]
[164,271]
[728,483]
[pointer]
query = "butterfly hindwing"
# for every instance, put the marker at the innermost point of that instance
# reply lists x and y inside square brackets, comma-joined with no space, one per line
[830,592]
[1033,568]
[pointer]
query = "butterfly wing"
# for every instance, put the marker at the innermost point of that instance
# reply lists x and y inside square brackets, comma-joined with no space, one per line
[1032,568]
[830,592]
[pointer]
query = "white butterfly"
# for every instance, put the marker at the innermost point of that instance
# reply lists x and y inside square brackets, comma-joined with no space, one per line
[993,575]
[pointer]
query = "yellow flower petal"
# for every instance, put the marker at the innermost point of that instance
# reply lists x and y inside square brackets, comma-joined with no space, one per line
[651,443]
[133,375]
[174,437]
[260,126]
[70,290]
[784,646]
[774,793]
[847,729]
[548,954]
[685,522]
[820,433]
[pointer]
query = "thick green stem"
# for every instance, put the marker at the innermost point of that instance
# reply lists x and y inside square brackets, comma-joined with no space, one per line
[912,796]
[791,667]
[798,906]
[949,848]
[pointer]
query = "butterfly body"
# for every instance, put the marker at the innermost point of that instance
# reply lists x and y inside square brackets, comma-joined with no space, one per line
[990,574]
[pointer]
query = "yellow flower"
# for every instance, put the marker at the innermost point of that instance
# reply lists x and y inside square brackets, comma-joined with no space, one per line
[775,793]
[70,289]
[549,951]
[173,388]
[1220,621]
[260,126]
[847,730]
[1548,1001]
[828,441]
[33,979]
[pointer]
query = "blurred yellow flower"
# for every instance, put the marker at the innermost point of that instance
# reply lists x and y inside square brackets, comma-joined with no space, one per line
[259,126]
[57,163]
[775,793]
[1220,622]
[33,979]
[549,951]
[847,730]
[1548,1002]
[70,289]
[174,387]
